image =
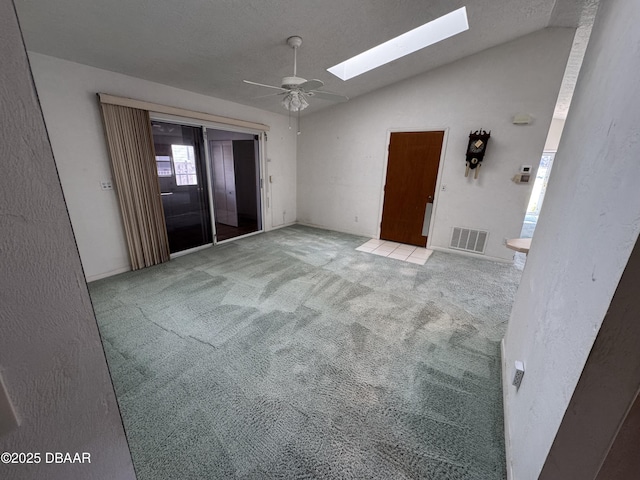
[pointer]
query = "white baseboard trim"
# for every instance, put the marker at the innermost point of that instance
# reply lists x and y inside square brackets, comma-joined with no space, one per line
[110,273]
[505,406]
[473,255]
[284,225]
[324,227]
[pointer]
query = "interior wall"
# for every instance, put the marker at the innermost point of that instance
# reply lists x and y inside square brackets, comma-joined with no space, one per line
[67,93]
[587,227]
[51,357]
[342,150]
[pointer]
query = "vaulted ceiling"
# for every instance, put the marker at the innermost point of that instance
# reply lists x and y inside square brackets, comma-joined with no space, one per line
[210,46]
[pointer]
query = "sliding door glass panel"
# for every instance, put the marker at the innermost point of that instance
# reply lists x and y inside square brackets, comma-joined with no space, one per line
[182,175]
[235,171]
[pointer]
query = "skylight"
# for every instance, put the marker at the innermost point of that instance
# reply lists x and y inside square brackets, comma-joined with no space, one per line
[432,32]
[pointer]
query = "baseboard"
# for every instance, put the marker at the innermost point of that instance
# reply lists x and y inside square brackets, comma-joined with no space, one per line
[110,273]
[472,255]
[323,227]
[505,408]
[284,225]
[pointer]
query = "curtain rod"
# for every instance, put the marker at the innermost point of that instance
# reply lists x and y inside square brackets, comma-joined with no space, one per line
[181,112]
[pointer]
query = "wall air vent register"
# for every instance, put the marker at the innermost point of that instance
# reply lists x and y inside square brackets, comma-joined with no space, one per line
[468,240]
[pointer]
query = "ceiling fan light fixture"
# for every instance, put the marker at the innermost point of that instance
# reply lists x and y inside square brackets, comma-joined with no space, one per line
[296,90]
[432,32]
[294,101]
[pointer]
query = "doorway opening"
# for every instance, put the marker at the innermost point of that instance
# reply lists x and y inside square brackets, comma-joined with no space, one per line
[409,191]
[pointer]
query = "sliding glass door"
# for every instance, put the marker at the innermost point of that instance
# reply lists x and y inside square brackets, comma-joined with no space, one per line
[182,175]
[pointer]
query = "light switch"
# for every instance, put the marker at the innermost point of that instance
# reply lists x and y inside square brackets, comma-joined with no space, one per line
[8,418]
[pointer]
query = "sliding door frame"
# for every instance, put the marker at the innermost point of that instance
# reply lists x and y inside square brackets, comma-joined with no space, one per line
[206,125]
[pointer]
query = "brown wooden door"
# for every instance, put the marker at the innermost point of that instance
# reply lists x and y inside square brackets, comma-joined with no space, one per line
[412,171]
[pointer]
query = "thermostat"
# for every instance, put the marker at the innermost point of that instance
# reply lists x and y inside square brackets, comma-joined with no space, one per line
[522,177]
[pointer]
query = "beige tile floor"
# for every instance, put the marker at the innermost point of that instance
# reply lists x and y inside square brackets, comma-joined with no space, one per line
[397,251]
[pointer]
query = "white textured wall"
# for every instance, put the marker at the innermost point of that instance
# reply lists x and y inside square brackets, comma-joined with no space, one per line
[342,150]
[67,93]
[51,357]
[587,228]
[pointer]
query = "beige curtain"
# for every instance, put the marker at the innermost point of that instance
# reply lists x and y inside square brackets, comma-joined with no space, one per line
[130,141]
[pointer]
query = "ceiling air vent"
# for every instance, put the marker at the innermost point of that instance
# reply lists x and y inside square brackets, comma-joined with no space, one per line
[468,240]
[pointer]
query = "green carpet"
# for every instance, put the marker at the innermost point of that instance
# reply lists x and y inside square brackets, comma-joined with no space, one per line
[290,355]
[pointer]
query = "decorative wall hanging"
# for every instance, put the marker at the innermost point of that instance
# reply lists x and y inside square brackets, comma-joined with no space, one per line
[476,149]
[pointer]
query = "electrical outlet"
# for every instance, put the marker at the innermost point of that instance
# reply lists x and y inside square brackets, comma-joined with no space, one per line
[504,240]
[106,185]
[517,377]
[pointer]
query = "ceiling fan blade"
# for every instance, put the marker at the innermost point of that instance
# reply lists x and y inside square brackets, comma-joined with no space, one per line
[263,85]
[311,85]
[334,97]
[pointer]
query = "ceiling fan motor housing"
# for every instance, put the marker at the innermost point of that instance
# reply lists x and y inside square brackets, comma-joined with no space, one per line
[297,90]
[295,41]
[292,82]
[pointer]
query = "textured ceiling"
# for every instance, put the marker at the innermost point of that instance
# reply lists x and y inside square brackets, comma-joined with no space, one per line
[210,46]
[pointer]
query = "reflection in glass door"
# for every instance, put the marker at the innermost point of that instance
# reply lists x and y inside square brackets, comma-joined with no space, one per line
[183,185]
[235,171]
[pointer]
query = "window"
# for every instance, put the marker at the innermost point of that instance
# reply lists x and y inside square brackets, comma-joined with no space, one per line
[184,164]
[537,195]
[432,32]
[540,185]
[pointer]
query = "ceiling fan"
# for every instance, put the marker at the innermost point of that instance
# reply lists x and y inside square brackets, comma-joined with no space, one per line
[297,91]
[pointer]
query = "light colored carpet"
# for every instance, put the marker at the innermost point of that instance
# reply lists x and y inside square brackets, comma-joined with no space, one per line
[291,355]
